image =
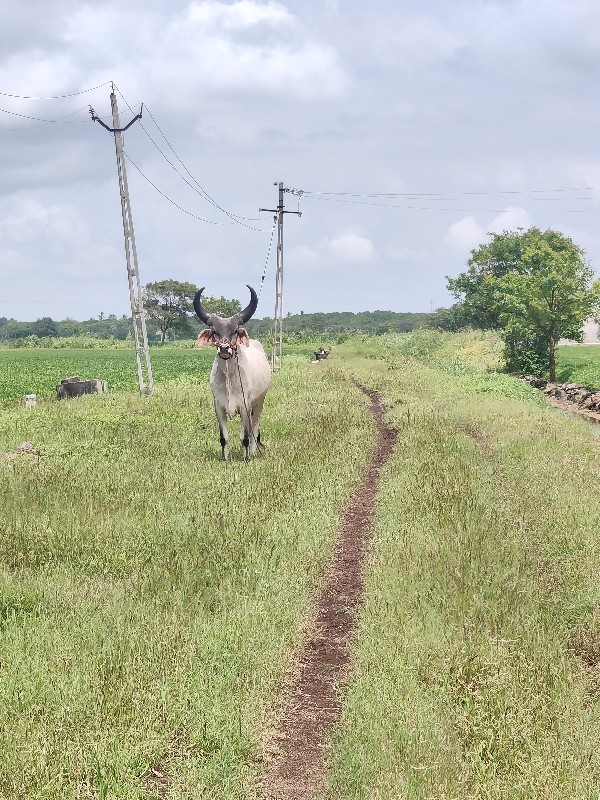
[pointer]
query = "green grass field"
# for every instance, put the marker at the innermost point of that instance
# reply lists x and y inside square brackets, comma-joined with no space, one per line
[579,364]
[152,597]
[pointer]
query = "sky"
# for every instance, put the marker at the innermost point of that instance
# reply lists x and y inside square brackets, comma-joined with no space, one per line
[406,132]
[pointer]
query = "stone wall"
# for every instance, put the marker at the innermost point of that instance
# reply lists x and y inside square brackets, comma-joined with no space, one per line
[574,393]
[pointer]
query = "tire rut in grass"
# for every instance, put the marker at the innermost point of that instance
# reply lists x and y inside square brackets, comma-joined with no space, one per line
[312,702]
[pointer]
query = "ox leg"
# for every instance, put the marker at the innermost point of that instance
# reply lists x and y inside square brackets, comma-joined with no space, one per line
[255,425]
[224,434]
[246,434]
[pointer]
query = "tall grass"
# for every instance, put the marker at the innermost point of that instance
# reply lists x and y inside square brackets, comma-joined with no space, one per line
[476,660]
[153,597]
[150,594]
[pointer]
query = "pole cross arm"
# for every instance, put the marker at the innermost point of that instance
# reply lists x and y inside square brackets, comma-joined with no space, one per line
[280,211]
[95,118]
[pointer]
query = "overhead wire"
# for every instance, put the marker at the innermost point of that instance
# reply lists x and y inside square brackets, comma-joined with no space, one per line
[181,208]
[201,189]
[44,121]
[355,198]
[262,280]
[56,96]
[197,187]
[340,197]
[447,194]
[42,98]
[185,211]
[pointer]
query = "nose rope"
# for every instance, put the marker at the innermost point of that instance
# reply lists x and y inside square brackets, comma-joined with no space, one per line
[225,342]
[228,385]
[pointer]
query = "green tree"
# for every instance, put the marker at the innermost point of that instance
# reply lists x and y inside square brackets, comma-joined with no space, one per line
[533,286]
[45,327]
[446,319]
[221,306]
[70,327]
[15,330]
[168,305]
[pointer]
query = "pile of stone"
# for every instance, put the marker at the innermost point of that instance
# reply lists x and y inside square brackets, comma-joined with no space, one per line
[576,393]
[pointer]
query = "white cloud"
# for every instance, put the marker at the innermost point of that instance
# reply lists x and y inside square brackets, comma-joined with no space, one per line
[465,235]
[347,248]
[418,39]
[70,245]
[242,14]
[511,219]
[29,219]
[351,248]
[586,175]
[306,256]
[213,47]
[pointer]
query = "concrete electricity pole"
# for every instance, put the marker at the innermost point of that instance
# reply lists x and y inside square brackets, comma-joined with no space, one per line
[277,344]
[144,367]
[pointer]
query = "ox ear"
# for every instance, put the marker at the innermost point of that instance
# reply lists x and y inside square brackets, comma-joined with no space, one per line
[204,337]
[243,337]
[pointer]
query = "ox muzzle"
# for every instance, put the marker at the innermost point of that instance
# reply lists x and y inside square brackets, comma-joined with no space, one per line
[226,349]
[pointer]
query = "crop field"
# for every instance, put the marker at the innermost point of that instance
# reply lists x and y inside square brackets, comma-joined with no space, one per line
[38,371]
[579,364]
[154,599]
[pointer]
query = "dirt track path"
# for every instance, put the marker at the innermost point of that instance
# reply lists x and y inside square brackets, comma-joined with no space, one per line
[311,705]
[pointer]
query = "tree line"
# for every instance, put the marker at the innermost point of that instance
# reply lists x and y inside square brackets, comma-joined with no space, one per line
[170,317]
[110,327]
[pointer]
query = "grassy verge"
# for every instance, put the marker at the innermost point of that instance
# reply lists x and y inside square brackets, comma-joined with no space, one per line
[149,593]
[477,658]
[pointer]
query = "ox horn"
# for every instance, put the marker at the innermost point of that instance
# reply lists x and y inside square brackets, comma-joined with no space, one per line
[250,308]
[202,313]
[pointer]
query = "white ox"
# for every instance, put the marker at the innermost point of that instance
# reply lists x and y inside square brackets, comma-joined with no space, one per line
[240,374]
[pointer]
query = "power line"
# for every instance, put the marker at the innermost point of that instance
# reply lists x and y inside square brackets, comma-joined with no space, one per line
[181,208]
[54,97]
[454,208]
[235,219]
[185,211]
[443,195]
[44,121]
[198,188]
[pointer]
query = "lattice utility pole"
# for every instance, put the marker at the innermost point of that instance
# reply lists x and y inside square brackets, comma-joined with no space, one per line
[140,335]
[277,343]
